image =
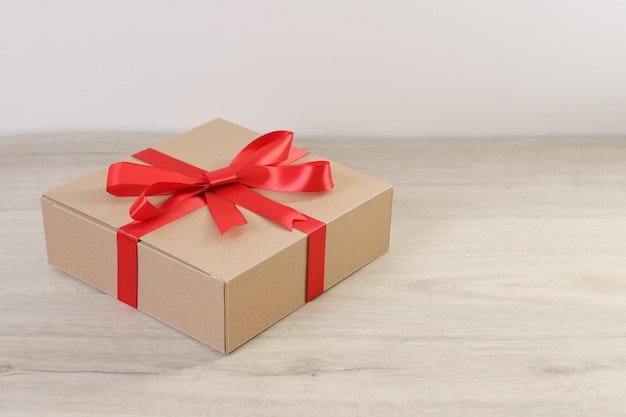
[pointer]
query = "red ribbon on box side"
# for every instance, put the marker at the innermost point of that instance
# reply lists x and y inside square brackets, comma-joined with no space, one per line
[261,164]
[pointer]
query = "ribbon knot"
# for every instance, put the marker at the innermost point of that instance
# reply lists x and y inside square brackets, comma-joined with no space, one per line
[220,177]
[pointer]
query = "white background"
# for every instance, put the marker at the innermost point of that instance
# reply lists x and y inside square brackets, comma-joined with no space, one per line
[331,68]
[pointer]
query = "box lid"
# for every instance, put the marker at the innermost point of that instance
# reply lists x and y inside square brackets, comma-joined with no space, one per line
[194,238]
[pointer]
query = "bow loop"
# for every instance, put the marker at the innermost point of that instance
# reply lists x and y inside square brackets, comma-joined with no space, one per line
[305,177]
[144,209]
[130,179]
[269,149]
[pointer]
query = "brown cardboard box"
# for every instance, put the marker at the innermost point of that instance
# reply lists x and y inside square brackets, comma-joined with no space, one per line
[220,289]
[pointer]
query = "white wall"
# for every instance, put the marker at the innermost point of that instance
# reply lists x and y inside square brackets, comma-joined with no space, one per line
[328,68]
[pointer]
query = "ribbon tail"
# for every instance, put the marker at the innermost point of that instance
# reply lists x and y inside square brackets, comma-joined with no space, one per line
[143,209]
[261,205]
[224,212]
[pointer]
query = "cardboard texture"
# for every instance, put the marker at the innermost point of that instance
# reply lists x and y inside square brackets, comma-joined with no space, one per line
[220,289]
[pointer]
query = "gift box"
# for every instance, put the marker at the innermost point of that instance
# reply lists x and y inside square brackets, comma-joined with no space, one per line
[302,226]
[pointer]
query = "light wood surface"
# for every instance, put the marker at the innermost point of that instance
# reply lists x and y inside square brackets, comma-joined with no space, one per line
[503,294]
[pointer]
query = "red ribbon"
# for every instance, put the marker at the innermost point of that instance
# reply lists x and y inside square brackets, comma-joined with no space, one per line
[261,164]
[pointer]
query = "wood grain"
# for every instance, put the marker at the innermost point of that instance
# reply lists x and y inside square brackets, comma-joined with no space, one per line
[504,294]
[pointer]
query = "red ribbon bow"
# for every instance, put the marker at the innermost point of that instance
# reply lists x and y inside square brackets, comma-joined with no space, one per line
[261,164]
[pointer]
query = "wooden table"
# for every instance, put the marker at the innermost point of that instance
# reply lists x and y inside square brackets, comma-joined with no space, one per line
[503,294]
